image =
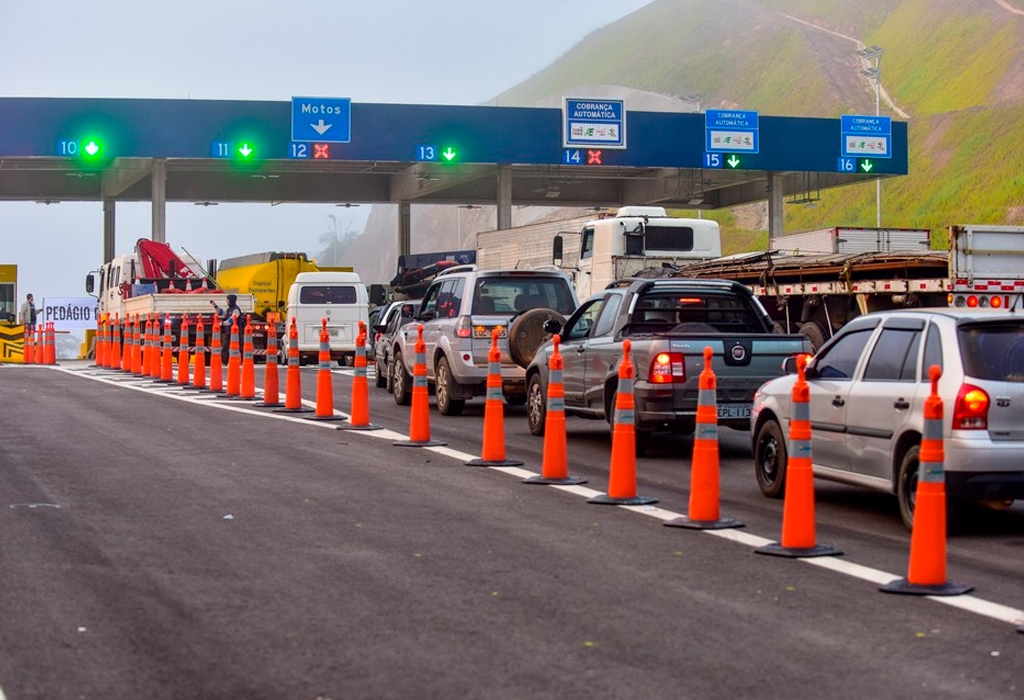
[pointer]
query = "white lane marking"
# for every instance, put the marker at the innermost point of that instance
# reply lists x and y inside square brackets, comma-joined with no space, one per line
[969,603]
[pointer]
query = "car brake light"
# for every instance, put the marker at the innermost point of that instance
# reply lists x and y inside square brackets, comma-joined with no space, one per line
[666,368]
[463,328]
[971,409]
[972,302]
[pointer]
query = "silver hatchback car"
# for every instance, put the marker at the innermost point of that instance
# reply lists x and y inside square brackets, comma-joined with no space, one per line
[868,386]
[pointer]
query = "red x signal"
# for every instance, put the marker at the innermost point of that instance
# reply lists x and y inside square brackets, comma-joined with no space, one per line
[322,151]
[594,158]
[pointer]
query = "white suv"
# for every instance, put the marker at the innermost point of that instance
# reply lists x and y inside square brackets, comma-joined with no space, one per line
[460,308]
[868,386]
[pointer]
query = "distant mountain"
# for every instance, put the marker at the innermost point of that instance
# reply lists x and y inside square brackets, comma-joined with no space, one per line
[952,69]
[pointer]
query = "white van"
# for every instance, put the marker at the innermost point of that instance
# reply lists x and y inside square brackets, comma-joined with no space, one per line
[339,297]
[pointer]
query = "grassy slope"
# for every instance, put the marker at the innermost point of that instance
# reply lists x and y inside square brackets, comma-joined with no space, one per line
[945,61]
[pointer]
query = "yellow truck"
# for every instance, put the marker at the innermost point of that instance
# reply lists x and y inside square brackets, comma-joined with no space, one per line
[267,277]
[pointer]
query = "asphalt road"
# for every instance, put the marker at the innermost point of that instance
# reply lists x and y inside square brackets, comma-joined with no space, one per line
[154,544]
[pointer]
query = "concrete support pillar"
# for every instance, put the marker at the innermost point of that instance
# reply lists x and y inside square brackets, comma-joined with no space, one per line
[504,197]
[109,231]
[159,198]
[776,192]
[404,228]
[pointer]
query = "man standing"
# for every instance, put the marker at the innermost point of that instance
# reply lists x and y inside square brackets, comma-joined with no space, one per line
[27,315]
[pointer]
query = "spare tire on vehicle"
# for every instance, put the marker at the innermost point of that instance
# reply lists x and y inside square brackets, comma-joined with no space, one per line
[527,333]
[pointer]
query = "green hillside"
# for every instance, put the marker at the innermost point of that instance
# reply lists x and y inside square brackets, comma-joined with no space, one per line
[956,67]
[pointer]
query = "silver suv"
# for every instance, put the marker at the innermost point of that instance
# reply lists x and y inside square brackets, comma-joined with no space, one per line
[460,308]
[868,386]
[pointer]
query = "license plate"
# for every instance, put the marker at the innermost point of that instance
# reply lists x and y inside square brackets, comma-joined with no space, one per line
[733,410]
[484,332]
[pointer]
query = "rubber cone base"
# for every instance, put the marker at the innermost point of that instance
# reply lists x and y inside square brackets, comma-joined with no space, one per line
[420,443]
[606,500]
[567,481]
[368,426]
[905,587]
[264,404]
[326,418]
[777,550]
[301,409]
[720,524]
[494,463]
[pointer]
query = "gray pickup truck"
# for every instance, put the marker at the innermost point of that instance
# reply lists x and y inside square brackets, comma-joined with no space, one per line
[669,323]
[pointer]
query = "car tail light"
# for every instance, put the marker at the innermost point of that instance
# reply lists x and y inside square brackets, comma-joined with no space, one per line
[667,368]
[972,302]
[971,409]
[463,328]
[996,302]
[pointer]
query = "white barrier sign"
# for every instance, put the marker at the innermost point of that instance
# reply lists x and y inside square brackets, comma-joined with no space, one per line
[69,313]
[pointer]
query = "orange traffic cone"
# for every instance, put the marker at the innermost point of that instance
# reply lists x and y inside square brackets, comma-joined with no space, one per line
[184,363]
[199,376]
[926,574]
[271,387]
[359,417]
[622,471]
[247,390]
[798,539]
[27,352]
[128,350]
[137,347]
[154,361]
[167,358]
[50,351]
[419,415]
[40,344]
[293,388]
[555,466]
[492,453]
[114,357]
[324,385]
[234,387]
[216,361]
[704,481]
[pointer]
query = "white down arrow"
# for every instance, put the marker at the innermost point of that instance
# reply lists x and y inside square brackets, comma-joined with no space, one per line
[320,127]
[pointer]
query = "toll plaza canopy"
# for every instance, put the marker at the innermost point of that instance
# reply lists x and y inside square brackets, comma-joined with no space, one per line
[331,150]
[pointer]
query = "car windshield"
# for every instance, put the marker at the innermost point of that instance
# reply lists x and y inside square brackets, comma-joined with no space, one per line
[993,351]
[508,295]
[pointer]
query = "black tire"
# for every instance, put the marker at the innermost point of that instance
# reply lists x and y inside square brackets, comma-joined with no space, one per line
[906,485]
[444,386]
[380,378]
[401,381]
[515,399]
[815,332]
[527,334]
[536,405]
[770,459]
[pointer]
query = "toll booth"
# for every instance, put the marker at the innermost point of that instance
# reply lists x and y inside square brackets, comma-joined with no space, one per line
[12,334]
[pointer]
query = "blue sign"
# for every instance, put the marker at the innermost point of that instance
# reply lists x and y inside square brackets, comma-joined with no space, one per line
[594,123]
[866,136]
[731,131]
[322,119]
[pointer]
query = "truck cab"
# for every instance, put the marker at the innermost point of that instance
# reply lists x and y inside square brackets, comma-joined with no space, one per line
[635,238]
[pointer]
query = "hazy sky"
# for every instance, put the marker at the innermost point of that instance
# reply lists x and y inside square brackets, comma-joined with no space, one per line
[399,51]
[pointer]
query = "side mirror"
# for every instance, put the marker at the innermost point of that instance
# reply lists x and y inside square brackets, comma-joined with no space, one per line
[789,365]
[89,284]
[552,326]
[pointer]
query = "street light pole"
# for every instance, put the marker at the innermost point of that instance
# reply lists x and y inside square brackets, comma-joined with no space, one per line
[875,73]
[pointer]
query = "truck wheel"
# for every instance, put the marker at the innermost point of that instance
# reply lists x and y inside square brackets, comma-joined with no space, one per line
[443,389]
[536,405]
[380,378]
[401,381]
[770,459]
[815,332]
[527,333]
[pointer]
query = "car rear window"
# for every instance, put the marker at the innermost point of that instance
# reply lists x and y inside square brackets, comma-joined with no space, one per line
[993,351]
[724,313]
[327,294]
[510,295]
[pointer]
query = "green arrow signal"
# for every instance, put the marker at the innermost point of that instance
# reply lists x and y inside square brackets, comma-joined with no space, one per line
[733,161]
[245,150]
[866,165]
[448,154]
[92,148]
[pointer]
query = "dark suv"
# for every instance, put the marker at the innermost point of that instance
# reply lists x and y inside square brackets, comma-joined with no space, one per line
[459,310]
